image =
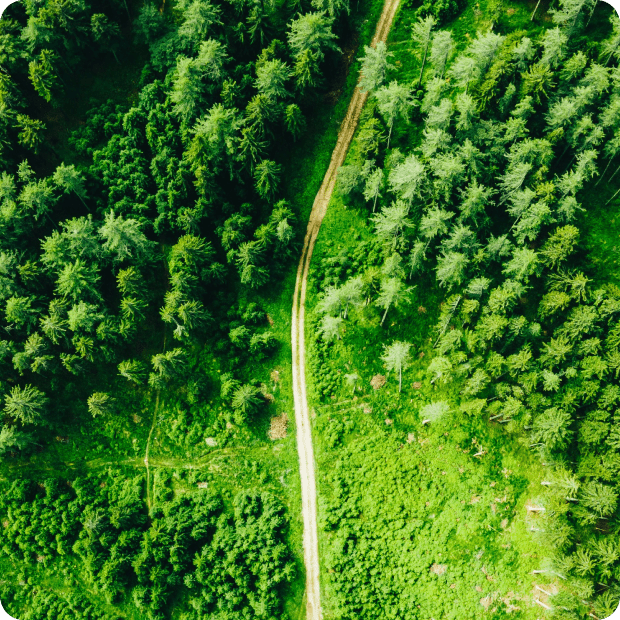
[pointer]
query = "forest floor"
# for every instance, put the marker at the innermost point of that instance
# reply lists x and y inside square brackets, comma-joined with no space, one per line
[304,433]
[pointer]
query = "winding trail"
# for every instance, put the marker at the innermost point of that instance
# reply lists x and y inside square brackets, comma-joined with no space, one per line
[302,417]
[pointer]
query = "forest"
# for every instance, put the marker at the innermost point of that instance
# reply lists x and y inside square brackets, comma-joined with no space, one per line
[470,328]
[159,163]
[143,216]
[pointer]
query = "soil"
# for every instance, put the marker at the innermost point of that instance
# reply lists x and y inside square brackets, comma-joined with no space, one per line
[302,417]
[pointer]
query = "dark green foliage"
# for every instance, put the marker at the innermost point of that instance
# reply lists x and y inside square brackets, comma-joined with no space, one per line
[443,10]
[189,544]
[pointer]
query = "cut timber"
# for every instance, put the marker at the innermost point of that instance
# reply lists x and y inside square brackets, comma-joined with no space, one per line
[543,605]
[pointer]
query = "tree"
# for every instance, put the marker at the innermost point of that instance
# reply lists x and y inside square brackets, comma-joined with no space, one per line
[451,268]
[333,7]
[421,35]
[123,239]
[329,327]
[105,32]
[38,196]
[311,33]
[267,178]
[391,221]
[245,399]
[374,68]
[271,77]
[214,138]
[553,42]
[70,180]
[12,438]
[132,370]
[19,311]
[407,178]
[611,46]
[434,223]
[198,18]
[351,293]
[434,411]
[100,403]
[537,81]
[552,428]
[26,404]
[294,120]
[560,245]
[523,53]
[210,60]
[77,280]
[484,50]
[396,357]
[393,292]
[42,75]
[30,132]
[467,109]
[599,498]
[170,364]
[465,70]
[187,89]
[440,116]
[570,13]
[372,187]
[393,101]
[441,48]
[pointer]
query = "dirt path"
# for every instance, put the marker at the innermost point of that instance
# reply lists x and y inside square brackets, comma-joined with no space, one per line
[302,417]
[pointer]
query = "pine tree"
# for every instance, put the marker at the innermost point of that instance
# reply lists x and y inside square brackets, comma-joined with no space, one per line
[441,48]
[393,292]
[396,357]
[375,66]
[393,101]
[100,403]
[421,33]
[391,222]
[271,78]
[26,404]
[407,178]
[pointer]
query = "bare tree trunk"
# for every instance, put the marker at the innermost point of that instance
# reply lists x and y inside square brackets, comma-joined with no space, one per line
[614,174]
[604,171]
[385,313]
[618,192]
[82,200]
[424,60]
[591,13]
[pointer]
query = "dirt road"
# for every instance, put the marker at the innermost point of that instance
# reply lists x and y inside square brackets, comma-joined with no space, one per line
[302,417]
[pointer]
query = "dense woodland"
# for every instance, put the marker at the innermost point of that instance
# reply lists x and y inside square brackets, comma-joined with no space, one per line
[475,180]
[135,230]
[138,233]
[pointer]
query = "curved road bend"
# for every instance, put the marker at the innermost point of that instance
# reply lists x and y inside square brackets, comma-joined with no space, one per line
[302,417]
